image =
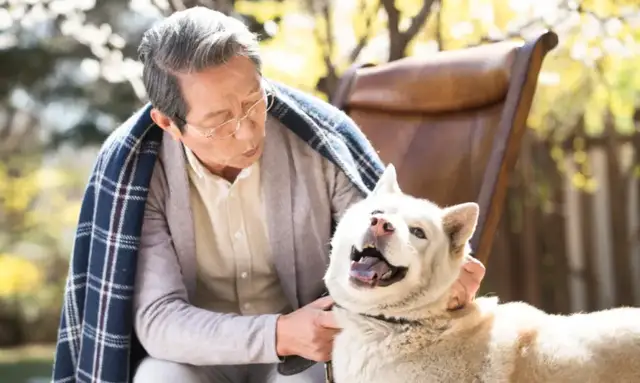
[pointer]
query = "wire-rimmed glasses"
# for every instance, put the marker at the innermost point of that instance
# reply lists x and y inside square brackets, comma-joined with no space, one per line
[230,127]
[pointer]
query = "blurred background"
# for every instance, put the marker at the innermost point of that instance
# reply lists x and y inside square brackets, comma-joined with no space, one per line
[570,236]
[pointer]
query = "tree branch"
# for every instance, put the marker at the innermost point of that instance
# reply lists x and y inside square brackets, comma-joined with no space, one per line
[364,39]
[23,127]
[565,6]
[626,17]
[418,20]
[325,40]
[328,32]
[7,127]
[328,83]
[393,17]
[439,36]
[398,40]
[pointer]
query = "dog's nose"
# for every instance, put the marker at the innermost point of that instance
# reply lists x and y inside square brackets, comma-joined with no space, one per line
[380,226]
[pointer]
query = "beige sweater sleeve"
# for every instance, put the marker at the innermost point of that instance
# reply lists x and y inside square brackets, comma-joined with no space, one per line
[168,326]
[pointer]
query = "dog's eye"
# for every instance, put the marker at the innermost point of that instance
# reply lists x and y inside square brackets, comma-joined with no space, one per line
[376,212]
[418,232]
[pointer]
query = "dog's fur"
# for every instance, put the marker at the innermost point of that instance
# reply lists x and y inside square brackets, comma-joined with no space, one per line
[404,333]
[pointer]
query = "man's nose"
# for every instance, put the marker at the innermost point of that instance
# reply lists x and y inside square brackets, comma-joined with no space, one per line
[245,131]
[381,227]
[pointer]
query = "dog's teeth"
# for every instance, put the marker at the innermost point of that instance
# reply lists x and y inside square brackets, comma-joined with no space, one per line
[369,246]
[387,274]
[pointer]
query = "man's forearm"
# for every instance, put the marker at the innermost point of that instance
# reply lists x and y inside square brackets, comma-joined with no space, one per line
[182,333]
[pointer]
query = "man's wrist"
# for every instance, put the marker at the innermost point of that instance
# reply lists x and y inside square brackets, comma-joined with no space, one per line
[280,341]
[268,343]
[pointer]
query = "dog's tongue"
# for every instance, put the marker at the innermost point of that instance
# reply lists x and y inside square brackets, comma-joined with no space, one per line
[368,269]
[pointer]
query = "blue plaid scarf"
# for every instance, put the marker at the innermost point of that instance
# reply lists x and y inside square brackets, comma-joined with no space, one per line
[96,342]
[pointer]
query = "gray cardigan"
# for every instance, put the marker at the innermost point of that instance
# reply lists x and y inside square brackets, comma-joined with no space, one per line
[302,192]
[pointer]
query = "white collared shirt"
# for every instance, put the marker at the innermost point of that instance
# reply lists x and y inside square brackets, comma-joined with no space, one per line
[235,267]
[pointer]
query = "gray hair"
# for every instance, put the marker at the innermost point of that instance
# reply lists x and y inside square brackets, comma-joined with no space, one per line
[189,41]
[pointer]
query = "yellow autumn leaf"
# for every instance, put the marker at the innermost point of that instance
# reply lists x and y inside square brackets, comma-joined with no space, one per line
[18,276]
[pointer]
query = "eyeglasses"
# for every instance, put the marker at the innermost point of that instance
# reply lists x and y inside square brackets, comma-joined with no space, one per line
[228,128]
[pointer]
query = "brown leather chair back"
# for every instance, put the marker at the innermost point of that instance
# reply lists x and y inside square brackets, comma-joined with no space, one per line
[451,123]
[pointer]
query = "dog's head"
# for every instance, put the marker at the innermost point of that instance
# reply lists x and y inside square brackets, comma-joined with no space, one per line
[395,255]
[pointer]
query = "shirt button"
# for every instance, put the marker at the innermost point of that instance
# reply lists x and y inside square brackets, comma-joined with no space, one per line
[244,275]
[247,306]
[238,235]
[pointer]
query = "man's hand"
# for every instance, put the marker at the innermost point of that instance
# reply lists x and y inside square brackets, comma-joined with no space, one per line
[308,331]
[467,285]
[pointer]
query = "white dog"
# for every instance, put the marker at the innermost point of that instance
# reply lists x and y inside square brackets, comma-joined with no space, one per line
[394,259]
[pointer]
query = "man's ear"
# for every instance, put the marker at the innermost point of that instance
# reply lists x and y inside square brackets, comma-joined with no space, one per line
[166,124]
[459,222]
[388,182]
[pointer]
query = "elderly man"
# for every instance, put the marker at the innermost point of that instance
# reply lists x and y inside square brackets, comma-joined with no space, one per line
[204,231]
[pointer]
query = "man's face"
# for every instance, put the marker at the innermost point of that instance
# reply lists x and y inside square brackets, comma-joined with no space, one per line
[225,125]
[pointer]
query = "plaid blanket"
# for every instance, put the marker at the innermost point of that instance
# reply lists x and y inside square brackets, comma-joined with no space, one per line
[96,342]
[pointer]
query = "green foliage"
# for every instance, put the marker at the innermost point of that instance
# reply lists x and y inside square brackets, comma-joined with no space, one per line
[39,207]
[30,197]
[294,61]
[23,364]
[18,276]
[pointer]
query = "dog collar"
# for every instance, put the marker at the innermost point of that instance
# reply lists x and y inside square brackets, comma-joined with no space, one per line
[383,318]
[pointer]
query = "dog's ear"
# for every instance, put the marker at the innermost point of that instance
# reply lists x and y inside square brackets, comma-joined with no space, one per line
[388,182]
[459,222]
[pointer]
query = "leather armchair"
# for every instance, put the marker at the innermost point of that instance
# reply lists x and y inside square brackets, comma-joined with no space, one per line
[451,123]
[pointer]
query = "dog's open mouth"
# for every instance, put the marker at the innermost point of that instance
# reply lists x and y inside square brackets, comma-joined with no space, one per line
[369,268]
